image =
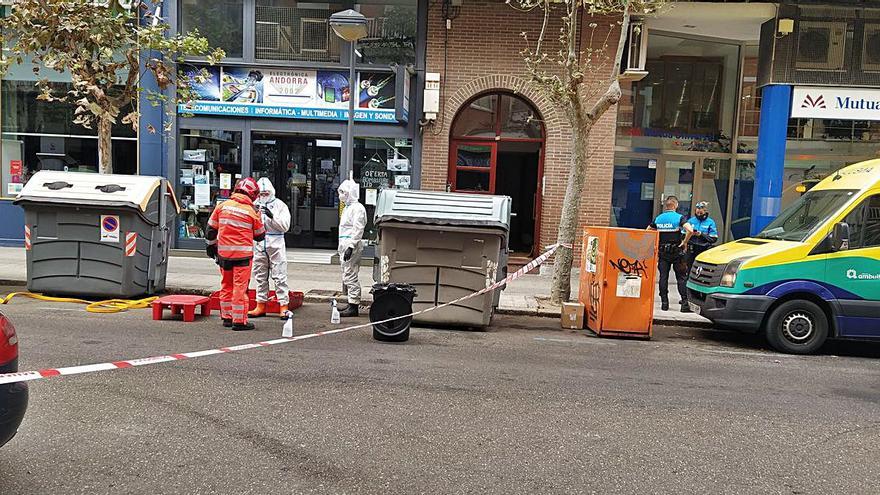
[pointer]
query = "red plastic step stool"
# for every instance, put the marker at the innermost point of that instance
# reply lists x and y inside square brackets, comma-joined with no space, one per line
[272,306]
[182,303]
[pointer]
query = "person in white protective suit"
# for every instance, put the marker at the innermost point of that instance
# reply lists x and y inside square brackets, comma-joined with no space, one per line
[270,254]
[351,233]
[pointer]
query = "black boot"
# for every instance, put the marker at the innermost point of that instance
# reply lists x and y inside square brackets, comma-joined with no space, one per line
[227,322]
[238,327]
[686,308]
[664,306]
[349,311]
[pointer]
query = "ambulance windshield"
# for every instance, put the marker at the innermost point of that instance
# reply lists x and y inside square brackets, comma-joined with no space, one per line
[806,215]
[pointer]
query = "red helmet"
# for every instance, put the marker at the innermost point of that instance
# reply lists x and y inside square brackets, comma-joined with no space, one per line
[247,186]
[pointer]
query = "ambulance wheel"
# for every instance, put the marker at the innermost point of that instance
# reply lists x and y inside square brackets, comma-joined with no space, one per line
[797,327]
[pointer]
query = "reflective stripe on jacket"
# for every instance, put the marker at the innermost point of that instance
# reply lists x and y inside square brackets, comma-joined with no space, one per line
[238,225]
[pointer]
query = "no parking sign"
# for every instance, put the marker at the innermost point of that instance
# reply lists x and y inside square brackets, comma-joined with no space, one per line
[109,228]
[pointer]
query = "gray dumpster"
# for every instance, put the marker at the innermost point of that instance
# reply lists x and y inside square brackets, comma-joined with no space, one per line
[95,235]
[446,245]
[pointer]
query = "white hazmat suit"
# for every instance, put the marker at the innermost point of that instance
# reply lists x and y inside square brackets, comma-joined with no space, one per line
[270,254]
[351,233]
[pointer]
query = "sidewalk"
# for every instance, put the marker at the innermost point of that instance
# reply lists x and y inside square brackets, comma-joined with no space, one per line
[319,282]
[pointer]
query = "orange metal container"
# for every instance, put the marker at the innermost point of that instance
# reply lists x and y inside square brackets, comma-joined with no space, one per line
[618,269]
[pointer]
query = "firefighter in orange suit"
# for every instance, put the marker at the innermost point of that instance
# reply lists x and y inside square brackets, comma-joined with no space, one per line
[232,230]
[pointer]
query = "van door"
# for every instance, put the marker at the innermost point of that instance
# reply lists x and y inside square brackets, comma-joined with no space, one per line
[854,273]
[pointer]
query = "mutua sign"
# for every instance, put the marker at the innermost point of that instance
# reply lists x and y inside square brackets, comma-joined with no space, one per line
[810,102]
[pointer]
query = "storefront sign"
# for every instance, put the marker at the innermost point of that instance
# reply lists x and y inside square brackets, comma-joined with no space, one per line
[15,167]
[835,103]
[290,94]
[375,175]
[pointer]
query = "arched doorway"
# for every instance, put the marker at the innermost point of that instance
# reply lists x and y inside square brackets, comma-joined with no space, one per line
[497,147]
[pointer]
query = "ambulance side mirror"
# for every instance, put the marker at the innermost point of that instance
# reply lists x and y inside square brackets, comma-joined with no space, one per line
[840,237]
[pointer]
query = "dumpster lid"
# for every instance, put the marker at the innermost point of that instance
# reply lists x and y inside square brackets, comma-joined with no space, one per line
[439,208]
[135,191]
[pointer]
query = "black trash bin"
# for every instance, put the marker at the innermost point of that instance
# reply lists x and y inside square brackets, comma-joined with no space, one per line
[391,301]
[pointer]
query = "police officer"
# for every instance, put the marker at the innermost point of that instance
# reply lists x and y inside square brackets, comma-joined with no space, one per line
[705,233]
[675,232]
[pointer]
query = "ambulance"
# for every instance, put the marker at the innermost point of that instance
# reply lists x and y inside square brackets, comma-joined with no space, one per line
[812,274]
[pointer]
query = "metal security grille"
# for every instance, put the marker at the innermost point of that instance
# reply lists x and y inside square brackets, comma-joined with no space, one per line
[831,45]
[291,33]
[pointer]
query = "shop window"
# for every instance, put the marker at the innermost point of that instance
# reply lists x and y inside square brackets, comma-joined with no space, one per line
[834,130]
[687,95]
[23,112]
[750,103]
[292,30]
[391,31]
[381,163]
[221,22]
[209,165]
[39,135]
[688,99]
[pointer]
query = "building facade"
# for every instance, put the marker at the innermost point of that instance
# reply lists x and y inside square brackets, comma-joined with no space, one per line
[719,114]
[498,133]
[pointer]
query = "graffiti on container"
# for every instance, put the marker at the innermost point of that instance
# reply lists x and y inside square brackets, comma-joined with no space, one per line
[630,267]
[595,291]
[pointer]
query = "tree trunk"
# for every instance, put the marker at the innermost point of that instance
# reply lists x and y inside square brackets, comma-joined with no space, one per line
[561,289]
[105,146]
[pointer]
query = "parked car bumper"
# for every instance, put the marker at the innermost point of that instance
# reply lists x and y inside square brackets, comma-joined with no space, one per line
[13,404]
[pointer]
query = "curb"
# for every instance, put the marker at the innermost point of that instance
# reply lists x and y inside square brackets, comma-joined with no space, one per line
[319,298]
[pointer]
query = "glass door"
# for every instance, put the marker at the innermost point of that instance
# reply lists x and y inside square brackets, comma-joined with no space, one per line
[633,198]
[678,181]
[305,173]
[714,188]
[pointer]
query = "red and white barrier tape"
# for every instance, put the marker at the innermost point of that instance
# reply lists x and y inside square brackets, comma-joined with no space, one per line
[26,376]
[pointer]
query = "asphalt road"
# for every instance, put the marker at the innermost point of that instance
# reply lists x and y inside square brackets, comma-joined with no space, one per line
[523,408]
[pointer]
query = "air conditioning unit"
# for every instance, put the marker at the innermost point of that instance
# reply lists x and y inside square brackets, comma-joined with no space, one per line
[821,46]
[636,52]
[871,48]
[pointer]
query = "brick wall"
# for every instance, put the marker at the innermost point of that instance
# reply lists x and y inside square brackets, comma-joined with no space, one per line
[483,55]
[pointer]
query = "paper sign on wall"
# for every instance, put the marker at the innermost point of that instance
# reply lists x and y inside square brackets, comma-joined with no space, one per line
[13,188]
[202,194]
[402,181]
[225,181]
[398,165]
[109,228]
[14,167]
[372,195]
